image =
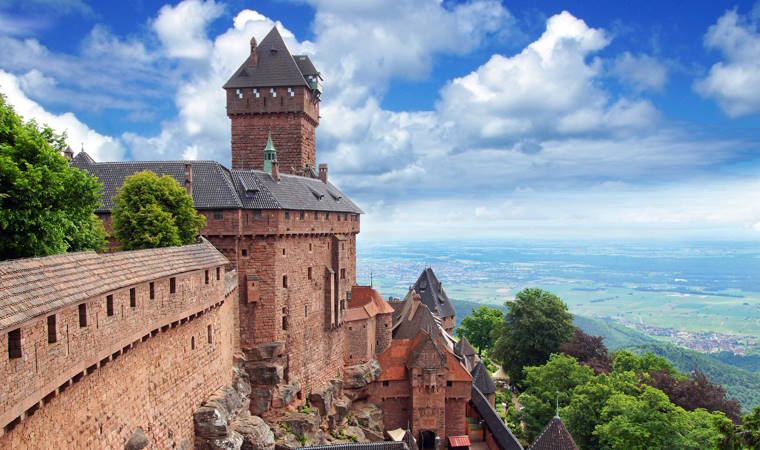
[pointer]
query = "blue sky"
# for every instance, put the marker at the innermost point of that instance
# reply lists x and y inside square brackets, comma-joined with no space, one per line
[479,119]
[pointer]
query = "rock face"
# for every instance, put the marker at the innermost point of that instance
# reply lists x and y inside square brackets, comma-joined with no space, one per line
[223,421]
[137,441]
[360,375]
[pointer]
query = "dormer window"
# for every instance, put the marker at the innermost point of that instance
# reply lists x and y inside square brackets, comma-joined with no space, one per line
[316,194]
[335,196]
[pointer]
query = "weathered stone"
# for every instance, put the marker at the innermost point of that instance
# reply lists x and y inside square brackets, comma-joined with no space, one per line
[342,406]
[137,441]
[288,393]
[265,352]
[360,375]
[265,373]
[233,441]
[354,432]
[261,400]
[322,400]
[369,415]
[302,424]
[256,433]
[210,422]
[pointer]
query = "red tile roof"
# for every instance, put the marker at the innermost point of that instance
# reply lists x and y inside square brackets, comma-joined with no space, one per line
[365,303]
[459,441]
[36,286]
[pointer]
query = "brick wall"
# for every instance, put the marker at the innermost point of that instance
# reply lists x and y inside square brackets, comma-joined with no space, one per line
[384,332]
[360,341]
[97,384]
[292,120]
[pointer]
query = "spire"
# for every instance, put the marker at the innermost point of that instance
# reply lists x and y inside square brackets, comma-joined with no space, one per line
[556,416]
[270,153]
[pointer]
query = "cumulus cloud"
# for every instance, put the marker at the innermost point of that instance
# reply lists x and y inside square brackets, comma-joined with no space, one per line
[97,145]
[734,82]
[641,72]
[547,89]
[182,28]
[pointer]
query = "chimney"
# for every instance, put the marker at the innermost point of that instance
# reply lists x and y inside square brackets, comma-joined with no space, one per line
[323,173]
[254,54]
[189,178]
[68,153]
[276,170]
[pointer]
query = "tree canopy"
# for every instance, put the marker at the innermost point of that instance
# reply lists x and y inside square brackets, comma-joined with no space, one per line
[153,211]
[478,327]
[536,323]
[46,206]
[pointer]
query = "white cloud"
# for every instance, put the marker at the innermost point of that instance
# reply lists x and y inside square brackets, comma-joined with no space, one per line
[182,28]
[97,145]
[642,72]
[549,88]
[734,82]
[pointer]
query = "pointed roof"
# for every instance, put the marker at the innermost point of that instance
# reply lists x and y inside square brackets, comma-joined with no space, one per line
[82,159]
[433,295]
[482,379]
[554,437]
[499,430]
[464,348]
[275,66]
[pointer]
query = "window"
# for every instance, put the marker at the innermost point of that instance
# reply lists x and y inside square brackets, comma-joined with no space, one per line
[302,215]
[109,305]
[338,215]
[385,383]
[210,334]
[305,310]
[192,343]
[82,315]
[52,336]
[132,298]
[327,216]
[448,384]
[287,215]
[345,217]
[14,343]
[316,215]
[284,322]
[342,274]
[283,252]
[244,253]
[206,275]
[309,246]
[172,285]
[217,274]
[152,291]
[284,281]
[218,215]
[308,273]
[256,214]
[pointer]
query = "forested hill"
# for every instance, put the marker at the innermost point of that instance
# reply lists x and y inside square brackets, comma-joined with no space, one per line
[726,370]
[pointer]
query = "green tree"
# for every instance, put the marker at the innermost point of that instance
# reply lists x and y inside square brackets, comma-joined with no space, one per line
[153,211]
[478,327]
[649,362]
[536,324]
[46,206]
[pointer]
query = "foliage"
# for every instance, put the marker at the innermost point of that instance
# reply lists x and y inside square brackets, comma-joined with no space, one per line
[46,206]
[695,392]
[589,350]
[478,327]
[649,362]
[536,324]
[154,211]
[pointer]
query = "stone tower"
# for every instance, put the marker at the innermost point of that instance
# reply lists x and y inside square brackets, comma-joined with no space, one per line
[278,92]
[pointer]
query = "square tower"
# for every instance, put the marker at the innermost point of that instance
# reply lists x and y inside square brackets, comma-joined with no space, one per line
[274,91]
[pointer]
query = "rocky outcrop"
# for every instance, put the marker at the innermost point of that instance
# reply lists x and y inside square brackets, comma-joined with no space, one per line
[361,375]
[137,441]
[223,421]
[301,429]
[265,352]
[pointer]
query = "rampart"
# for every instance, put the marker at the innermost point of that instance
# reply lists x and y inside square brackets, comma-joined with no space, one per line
[101,345]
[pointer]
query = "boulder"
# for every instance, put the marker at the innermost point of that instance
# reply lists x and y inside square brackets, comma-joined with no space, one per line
[210,422]
[233,441]
[264,352]
[266,373]
[322,400]
[287,393]
[360,375]
[256,433]
[261,400]
[342,406]
[137,441]
[370,416]
[302,424]
[354,434]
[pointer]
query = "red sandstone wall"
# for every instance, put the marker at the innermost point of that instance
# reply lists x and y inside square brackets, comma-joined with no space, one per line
[360,341]
[384,332]
[291,120]
[456,423]
[138,371]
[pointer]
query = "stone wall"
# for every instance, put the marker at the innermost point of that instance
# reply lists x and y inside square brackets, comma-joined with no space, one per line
[139,370]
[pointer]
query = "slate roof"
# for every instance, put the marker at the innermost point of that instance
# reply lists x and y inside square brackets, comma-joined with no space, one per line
[216,187]
[501,434]
[482,379]
[554,437]
[276,67]
[433,295]
[464,348]
[381,445]
[34,287]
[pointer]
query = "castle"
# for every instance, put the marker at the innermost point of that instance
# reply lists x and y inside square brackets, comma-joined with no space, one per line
[270,291]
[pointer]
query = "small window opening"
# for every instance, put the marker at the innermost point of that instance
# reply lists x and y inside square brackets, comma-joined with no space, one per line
[109,305]
[327,216]
[284,322]
[217,273]
[308,273]
[82,315]
[309,246]
[192,343]
[210,334]
[342,274]
[287,215]
[52,336]
[345,217]
[14,343]
[152,291]
[338,215]
[306,310]
[302,215]
[132,298]
[284,281]
[256,214]
[172,285]
[206,276]
[385,383]
[218,215]
[244,253]
[448,384]
[316,215]
[283,252]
